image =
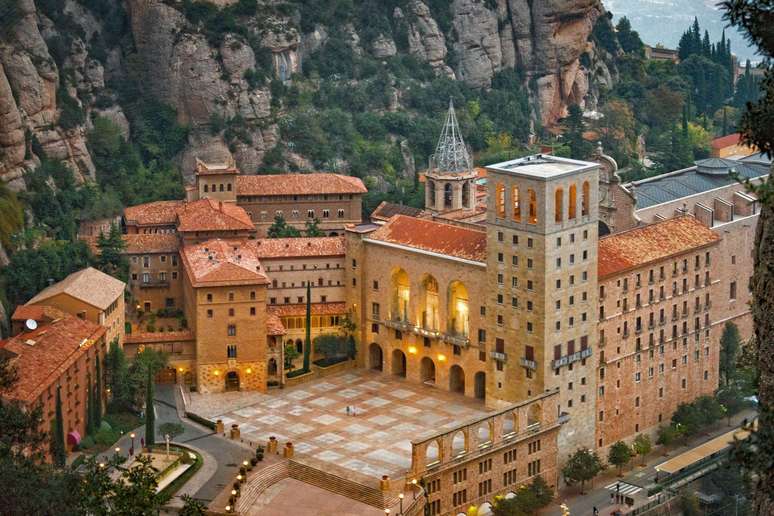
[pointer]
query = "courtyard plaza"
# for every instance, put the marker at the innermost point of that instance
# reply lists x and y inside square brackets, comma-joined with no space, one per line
[390,412]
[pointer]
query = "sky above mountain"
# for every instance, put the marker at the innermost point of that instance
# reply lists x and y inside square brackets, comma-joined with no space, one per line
[664,21]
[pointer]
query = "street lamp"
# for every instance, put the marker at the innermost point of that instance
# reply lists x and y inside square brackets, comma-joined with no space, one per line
[131,450]
[400,496]
[387,511]
[118,450]
[414,484]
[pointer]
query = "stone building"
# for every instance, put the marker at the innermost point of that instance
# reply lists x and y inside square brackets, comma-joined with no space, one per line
[60,354]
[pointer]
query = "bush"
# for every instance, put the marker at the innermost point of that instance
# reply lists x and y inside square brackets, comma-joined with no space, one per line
[106,437]
[199,419]
[86,443]
[104,425]
[297,372]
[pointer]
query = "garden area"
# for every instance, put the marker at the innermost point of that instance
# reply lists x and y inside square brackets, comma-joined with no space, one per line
[162,320]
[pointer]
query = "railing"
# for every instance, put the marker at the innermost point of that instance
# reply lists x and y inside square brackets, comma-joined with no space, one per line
[497,355]
[155,283]
[569,359]
[399,324]
[458,339]
[529,364]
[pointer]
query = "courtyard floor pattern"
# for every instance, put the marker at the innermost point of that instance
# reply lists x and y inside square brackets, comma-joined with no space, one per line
[390,413]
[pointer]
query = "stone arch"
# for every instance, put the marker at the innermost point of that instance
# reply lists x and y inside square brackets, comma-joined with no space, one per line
[459,444]
[500,200]
[448,195]
[458,310]
[427,370]
[484,433]
[466,194]
[271,367]
[559,204]
[510,423]
[585,198]
[534,415]
[232,381]
[533,217]
[299,346]
[433,452]
[399,363]
[431,193]
[375,357]
[457,379]
[573,204]
[516,207]
[430,302]
[479,383]
[401,293]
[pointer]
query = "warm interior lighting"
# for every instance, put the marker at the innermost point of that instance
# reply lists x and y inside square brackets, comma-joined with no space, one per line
[248,370]
[412,350]
[441,357]
[216,372]
[180,369]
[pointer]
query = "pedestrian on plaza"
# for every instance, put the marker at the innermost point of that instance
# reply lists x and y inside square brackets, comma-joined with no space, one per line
[596,511]
[348,411]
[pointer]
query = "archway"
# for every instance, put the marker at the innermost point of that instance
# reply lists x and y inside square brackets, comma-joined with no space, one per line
[533,416]
[459,445]
[456,379]
[232,381]
[375,356]
[299,346]
[272,367]
[447,195]
[427,370]
[399,363]
[430,300]
[432,454]
[479,381]
[509,424]
[401,292]
[430,187]
[458,323]
[484,433]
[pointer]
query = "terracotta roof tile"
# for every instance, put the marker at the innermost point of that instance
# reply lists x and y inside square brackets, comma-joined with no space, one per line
[167,336]
[298,247]
[726,141]
[88,285]
[45,354]
[299,184]
[212,215]
[151,243]
[385,210]
[153,213]
[215,169]
[638,247]
[300,309]
[436,237]
[274,325]
[223,262]
[39,313]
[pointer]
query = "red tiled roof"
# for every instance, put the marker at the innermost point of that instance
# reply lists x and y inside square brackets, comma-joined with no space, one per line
[300,309]
[212,215]
[152,213]
[274,325]
[299,184]
[222,262]
[726,141]
[427,235]
[39,313]
[44,354]
[167,336]
[151,243]
[385,210]
[298,247]
[638,247]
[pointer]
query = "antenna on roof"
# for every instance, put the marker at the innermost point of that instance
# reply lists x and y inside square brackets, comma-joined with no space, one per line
[31,324]
[451,154]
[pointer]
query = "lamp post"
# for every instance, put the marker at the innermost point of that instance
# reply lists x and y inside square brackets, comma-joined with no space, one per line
[131,450]
[387,512]
[166,438]
[400,496]
[414,485]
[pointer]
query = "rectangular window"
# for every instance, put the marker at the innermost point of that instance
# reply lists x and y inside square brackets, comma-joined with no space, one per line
[732,290]
[231,330]
[231,351]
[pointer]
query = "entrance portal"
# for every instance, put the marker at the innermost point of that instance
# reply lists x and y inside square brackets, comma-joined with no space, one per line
[375,356]
[232,381]
[457,379]
[399,363]
[427,370]
[480,385]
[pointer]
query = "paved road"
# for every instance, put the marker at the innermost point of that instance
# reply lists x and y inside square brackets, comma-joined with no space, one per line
[599,494]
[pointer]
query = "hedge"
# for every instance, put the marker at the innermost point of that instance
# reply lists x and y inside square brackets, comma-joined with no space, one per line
[199,419]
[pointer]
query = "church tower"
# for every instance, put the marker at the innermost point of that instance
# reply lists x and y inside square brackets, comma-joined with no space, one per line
[450,179]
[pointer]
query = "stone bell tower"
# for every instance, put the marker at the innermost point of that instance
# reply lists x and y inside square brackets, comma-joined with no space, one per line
[450,179]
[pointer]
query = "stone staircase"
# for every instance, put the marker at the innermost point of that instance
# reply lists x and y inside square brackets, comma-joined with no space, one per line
[342,486]
[259,481]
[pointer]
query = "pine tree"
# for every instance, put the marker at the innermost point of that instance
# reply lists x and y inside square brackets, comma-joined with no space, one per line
[308,332]
[150,415]
[58,450]
[729,348]
[281,229]
[313,228]
[112,259]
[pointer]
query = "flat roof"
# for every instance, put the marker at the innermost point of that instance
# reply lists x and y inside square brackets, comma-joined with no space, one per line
[702,451]
[542,166]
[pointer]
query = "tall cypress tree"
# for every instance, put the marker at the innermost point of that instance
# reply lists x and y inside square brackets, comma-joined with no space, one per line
[58,450]
[98,395]
[308,334]
[150,415]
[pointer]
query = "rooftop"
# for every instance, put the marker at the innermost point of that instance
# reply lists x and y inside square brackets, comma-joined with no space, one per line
[299,184]
[222,262]
[298,247]
[215,169]
[152,213]
[212,215]
[435,237]
[726,141]
[640,246]
[274,325]
[42,355]
[705,175]
[39,313]
[151,243]
[89,285]
[385,210]
[542,166]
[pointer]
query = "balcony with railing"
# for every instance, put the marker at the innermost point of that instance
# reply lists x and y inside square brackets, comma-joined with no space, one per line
[569,359]
[529,364]
[152,283]
[499,355]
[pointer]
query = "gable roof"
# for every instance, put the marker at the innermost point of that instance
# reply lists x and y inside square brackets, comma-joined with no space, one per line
[219,262]
[152,213]
[436,237]
[385,210]
[299,184]
[212,215]
[89,285]
[726,141]
[640,246]
[151,243]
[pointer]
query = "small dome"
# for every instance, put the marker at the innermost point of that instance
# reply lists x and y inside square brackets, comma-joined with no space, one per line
[715,166]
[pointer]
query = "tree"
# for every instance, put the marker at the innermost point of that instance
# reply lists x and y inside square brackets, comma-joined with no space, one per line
[291,353]
[171,429]
[642,446]
[668,434]
[619,455]
[112,259]
[150,414]
[313,228]
[281,229]
[582,466]
[58,451]
[329,345]
[118,378]
[147,361]
[709,410]
[689,504]
[574,129]
[629,39]
[687,418]
[192,507]
[528,500]
[729,347]
[731,399]
[308,327]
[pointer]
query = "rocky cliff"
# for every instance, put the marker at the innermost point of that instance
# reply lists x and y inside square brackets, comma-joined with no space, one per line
[55,63]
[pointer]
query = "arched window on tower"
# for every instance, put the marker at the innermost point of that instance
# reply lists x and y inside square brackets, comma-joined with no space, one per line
[573,202]
[559,204]
[585,199]
[447,195]
[532,206]
[431,191]
[500,200]
[515,203]
[465,194]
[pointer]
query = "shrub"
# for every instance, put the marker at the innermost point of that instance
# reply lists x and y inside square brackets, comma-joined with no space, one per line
[199,419]
[104,425]
[86,443]
[253,461]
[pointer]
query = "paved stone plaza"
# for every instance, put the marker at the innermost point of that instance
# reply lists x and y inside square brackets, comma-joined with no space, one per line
[390,412]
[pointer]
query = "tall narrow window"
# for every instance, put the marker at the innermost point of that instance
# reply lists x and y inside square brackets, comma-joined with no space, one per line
[559,204]
[515,203]
[585,199]
[532,206]
[573,202]
[500,200]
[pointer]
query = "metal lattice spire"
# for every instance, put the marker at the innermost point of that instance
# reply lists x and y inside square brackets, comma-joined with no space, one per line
[451,155]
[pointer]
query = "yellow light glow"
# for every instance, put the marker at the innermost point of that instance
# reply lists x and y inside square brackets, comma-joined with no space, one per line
[180,369]
[441,357]
[248,370]
[216,372]
[412,350]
